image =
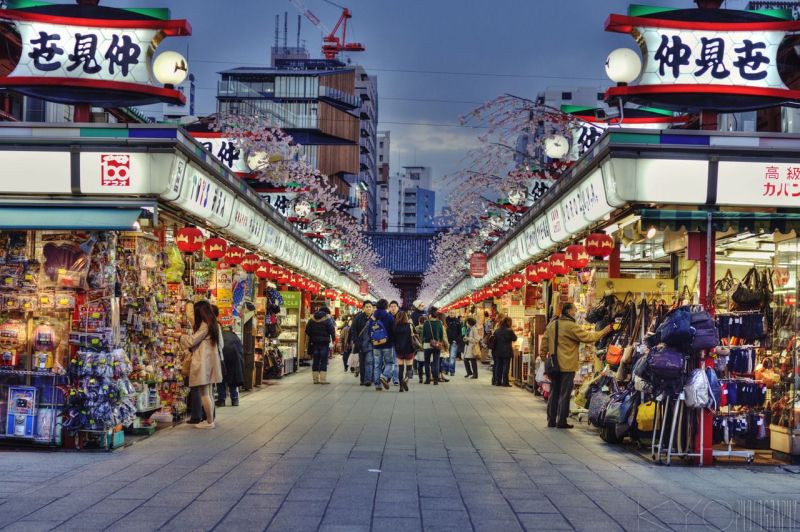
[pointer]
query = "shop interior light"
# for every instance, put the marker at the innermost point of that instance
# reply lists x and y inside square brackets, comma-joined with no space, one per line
[651,232]
[749,255]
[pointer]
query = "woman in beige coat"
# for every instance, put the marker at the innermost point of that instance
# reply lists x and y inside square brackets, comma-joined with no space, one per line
[206,368]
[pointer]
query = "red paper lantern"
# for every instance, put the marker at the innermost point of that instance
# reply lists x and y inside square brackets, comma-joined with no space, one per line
[517,280]
[530,273]
[262,272]
[250,262]
[215,248]
[558,264]
[577,257]
[599,245]
[235,255]
[189,239]
[283,277]
[544,271]
[331,294]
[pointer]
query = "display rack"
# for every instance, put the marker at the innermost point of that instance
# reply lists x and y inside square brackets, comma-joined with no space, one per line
[47,424]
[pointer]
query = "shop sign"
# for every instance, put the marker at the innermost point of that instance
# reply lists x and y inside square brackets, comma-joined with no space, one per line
[542,229]
[282,202]
[35,172]
[477,265]
[67,58]
[735,59]
[291,299]
[224,149]
[363,288]
[663,181]
[586,203]
[531,247]
[247,224]
[766,183]
[205,198]
[555,220]
[176,175]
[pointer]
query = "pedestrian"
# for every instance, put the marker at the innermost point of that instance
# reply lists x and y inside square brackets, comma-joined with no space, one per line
[472,345]
[454,335]
[502,352]
[405,341]
[206,367]
[434,338]
[233,360]
[320,331]
[394,308]
[344,339]
[419,357]
[563,337]
[496,325]
[488,329]
[417,312]
[381,333]
[357,339]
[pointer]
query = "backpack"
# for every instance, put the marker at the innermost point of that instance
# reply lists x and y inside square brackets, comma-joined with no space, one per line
[378,334]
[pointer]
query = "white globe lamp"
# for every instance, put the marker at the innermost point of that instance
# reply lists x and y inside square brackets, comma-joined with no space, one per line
[170,69]
[556,146]
[623,66]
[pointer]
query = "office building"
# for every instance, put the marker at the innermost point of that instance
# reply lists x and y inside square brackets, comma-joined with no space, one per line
[412,200]
[384,152]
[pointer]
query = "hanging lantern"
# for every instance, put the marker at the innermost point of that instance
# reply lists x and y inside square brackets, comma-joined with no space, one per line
[235,255]
[599,245]
[283,276]
[530,273]
[275,271]
[558,264]
[215,248]
[577,257]
[517,196]
[302,208]
[189,239]
[262,272]
[544,271]
[335,244]
[517,280]
[250,262]
[330,293]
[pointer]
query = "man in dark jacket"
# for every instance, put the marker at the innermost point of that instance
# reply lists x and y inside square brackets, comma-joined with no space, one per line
[503,352]
[320,331]
[233,355]
[456,337]
[358,330]
[383,348]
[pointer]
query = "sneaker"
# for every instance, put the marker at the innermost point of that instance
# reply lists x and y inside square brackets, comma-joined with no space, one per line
[385,382]
[396,383]
[205,425]
[235,403]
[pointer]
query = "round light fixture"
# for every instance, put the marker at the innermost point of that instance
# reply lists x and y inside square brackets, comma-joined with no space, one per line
[497,222]
[651,232]
[516,196]
[556,146]
[170,69]
[302,208]
[335,244]
[316,226]
[623,65]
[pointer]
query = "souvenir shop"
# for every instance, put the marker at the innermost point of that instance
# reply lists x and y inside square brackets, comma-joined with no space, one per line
[679,243]
[96,280]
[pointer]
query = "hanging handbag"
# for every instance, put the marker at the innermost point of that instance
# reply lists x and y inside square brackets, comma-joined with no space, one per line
[722,291]
[676,329]
[551,366]
[666,362]
[646,416]
[747,296]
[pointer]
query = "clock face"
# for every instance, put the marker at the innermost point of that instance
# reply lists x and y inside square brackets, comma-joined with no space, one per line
[556,146]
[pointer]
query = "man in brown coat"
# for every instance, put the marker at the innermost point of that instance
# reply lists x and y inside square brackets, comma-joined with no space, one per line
[570,337]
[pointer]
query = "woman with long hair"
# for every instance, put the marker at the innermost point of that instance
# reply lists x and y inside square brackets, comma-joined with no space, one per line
[404,335]
[205,370]
[434,338]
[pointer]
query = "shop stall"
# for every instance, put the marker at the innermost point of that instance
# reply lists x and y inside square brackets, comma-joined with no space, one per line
[702,222]
[106,236]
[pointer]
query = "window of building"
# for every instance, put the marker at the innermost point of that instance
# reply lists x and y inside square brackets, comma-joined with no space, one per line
[566,96]
[34,110]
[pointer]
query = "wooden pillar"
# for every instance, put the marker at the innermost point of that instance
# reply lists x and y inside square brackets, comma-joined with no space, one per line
[614,263]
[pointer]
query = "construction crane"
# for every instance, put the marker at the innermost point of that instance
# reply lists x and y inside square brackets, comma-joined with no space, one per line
[332,44]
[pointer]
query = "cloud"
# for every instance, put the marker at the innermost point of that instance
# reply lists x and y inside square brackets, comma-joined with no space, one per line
[432,139]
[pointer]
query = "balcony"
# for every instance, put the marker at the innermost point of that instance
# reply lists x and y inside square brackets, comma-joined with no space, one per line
[339,97]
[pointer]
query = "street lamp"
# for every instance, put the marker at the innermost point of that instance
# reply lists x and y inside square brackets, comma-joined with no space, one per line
[170,69]
[556,146]
[623,66]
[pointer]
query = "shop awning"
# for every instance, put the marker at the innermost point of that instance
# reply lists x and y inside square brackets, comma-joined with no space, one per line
[73,218]
[754,222]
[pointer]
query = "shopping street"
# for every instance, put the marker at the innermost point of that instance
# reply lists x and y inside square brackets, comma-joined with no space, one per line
[460,456]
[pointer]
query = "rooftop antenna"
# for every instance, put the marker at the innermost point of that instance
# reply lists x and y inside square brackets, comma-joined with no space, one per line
[285,30]
[299,19]
[277,30]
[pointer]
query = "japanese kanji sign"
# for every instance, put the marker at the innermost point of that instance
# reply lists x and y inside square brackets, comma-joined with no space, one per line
[224,149]
[66,58]
[767,184]
[733,60]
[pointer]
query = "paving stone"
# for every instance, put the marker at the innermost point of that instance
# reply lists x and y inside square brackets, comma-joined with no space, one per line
[544,522]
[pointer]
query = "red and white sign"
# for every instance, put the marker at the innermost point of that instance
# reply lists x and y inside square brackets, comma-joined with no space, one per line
[115,170]
[765,184]
[477,265]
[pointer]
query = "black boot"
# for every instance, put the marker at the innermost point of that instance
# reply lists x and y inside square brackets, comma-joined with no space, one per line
[401,370]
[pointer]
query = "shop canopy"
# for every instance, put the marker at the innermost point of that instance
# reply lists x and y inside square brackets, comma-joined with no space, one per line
[697,220]
[72,218]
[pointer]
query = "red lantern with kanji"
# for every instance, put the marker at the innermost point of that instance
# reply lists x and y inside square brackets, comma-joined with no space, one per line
[577,257]
[189,239]
[235,255]
[215,248]
[330,293]
[283,277]
[558,264]
[250,262]
[599,245]
[544,271]
[530,273]
[262,272]
[517,280]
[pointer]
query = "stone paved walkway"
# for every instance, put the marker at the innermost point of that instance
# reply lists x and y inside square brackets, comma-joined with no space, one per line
[460,456]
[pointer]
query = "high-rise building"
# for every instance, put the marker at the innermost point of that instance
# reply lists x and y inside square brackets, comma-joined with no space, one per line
[412,201]
[367,90]
[384,152]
